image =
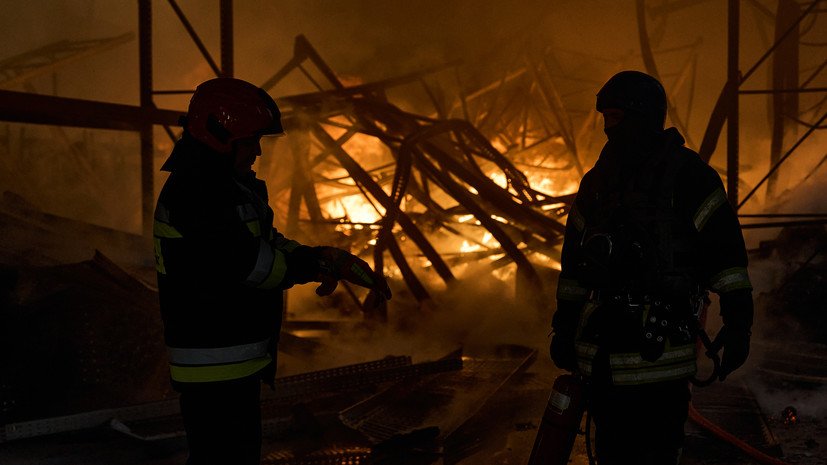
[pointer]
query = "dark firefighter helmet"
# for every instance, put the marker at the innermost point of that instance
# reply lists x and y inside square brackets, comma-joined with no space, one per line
[223,110]
[636,92]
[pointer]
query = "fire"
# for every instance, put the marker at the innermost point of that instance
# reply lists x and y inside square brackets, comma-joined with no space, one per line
[356,208]
[789,416]
[468,247]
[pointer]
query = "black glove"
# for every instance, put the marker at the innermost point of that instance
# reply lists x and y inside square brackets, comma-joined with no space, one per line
[564,327]
[336,264]
[734,337]
[735,343]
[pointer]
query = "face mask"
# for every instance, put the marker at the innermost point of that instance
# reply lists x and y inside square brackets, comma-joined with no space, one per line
[633,139]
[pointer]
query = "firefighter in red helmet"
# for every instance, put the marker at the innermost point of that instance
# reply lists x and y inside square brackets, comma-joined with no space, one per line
[222,268]
[650,231]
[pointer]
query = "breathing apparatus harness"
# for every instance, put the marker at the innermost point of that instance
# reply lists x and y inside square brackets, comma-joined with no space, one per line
[678,318]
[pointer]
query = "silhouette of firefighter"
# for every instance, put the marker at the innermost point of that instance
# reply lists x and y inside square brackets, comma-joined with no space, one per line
[222,267]
[650,232]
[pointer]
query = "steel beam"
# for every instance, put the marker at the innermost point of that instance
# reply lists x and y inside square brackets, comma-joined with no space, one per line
[147,139]
[23,107]
[733,80]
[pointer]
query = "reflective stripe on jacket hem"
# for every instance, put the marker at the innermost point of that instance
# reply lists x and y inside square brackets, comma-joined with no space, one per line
[216,355]
[211,373]
[630,368]
[570,289]
[675,363]
[654,375]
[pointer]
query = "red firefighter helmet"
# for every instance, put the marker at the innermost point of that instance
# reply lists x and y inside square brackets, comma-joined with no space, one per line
[225,109]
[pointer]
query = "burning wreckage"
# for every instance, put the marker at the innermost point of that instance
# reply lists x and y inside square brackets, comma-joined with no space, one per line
[487,178]
[432,194]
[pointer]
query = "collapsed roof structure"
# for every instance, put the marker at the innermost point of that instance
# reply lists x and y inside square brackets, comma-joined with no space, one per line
[485,175]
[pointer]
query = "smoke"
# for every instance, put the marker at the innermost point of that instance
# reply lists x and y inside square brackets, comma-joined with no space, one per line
[367,40]
[476,313]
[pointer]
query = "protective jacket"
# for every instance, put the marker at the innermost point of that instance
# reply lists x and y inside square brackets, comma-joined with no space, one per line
[643,241]
[221,267]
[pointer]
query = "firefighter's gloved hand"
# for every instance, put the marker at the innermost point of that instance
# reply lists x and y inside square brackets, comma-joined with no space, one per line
[735,343]
[336,264]
[734,337]
[564,326]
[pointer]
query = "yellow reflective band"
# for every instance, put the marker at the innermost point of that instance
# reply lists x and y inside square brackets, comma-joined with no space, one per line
[585,353]
[730,279]
[254,227]
[675,363]
[358,271]
[577,220]
[654,375]
[270,267]
[670,355]
[210,373]
[277,271]
[167,231]
[290,246]
[708,207]
[159,257]
[570,289]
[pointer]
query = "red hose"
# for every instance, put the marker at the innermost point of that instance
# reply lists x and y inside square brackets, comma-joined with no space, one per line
[718,431]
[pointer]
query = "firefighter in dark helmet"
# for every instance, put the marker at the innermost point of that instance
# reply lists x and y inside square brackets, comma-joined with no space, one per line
[222,267]
[649,233]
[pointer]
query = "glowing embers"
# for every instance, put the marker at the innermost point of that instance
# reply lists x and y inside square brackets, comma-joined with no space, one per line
[789,416]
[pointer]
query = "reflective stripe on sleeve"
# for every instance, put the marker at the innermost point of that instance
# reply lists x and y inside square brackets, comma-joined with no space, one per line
[283,243]
[270,268]
[162,229]
[246,212]
[570,289]
[577,220]
[210,373]
[160,266]
[708,207]
[730,279]
[254,227]
[248,215]
[217,355]
[585,353]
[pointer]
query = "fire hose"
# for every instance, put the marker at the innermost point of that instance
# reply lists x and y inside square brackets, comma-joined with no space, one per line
[712,353]
[728,437]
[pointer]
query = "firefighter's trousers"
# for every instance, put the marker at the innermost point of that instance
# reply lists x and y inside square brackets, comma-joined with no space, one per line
[223,421]
[641,424]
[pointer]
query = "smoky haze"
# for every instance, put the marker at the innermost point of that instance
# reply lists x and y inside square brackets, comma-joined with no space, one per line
[369,40]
